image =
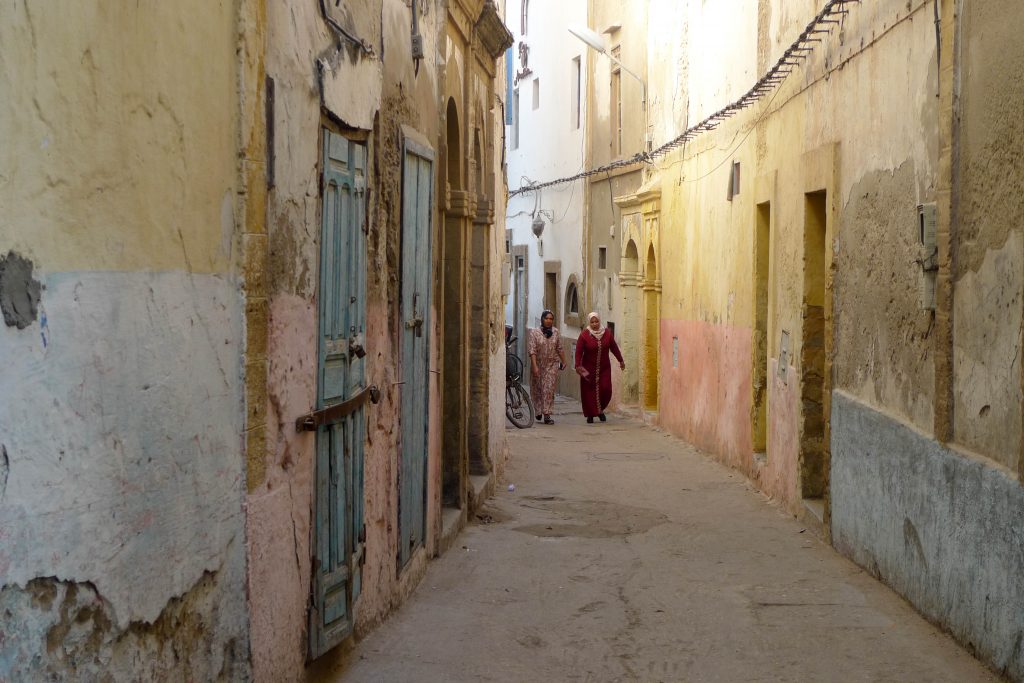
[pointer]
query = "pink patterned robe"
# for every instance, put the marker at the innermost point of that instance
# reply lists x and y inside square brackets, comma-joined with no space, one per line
[546,350]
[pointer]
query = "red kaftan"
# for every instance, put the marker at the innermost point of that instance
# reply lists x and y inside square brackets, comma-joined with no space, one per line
[592,356]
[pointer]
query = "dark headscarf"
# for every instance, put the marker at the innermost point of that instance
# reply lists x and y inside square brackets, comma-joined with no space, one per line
[547,330]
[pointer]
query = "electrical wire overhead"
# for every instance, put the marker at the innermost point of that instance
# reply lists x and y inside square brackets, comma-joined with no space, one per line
[794,56]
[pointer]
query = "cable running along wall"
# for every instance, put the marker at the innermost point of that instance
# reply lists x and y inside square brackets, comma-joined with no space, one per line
[794,55]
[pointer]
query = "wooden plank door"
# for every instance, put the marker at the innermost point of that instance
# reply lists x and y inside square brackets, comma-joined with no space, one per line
[338,495]
[417,206]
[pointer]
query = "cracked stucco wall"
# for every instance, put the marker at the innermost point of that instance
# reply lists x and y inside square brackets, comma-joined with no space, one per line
[988,235]
[121,526]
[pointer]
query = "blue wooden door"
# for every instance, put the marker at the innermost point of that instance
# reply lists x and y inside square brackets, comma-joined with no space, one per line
[417,179]
[341,376]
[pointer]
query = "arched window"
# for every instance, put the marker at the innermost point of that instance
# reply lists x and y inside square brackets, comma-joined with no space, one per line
[572,302]
[454,147]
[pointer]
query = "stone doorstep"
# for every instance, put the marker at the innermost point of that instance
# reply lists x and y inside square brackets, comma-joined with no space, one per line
[453,520]
[813,517]
[481,487]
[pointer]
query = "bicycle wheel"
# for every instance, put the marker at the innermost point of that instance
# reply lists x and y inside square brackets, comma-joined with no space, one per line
[518,405]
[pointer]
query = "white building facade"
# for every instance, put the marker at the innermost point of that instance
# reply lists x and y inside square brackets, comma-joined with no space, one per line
[545,140]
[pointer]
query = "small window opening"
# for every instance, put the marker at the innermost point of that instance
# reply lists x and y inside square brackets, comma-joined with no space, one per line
[536,93]
[572,300]
[734,180]
[574,97]
[515,119]
[602,258]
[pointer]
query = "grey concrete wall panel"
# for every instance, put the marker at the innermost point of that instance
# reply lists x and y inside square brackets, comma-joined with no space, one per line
[943,529]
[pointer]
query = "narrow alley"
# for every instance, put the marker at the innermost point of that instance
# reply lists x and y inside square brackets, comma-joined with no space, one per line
[623,553]
[275,276]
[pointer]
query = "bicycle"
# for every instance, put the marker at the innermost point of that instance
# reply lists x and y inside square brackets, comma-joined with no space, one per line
[518,404]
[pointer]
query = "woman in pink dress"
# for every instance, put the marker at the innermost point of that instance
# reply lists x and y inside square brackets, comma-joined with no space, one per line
[547,360]
[595,368]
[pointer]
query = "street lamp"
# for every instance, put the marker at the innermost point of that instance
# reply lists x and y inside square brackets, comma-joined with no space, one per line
[592,39]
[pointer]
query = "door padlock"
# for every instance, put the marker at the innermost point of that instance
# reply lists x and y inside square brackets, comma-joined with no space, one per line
[355,346]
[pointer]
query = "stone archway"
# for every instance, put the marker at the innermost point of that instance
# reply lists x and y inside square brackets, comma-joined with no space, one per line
[453,318]
[478,294]
[652,330]
[629,336]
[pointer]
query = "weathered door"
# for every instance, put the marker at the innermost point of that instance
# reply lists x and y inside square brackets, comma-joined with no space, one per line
[520,301]
[341,374]
[416,283]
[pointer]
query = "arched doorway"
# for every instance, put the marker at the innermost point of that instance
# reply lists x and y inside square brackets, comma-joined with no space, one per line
[652,330]
[453,346]
[629,336]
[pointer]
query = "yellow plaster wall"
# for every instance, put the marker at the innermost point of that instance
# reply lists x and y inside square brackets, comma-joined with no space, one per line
[875,106]
[119,123]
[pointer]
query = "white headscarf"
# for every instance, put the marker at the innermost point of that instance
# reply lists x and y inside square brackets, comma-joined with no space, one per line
[600,332]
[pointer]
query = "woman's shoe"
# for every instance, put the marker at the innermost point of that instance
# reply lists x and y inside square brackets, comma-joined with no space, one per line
[548,420]
[539,417]
[602,418]
[590,420]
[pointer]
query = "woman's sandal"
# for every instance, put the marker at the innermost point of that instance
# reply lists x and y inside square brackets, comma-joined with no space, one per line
[548,420]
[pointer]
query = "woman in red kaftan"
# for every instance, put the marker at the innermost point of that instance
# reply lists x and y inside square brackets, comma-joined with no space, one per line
[595,368]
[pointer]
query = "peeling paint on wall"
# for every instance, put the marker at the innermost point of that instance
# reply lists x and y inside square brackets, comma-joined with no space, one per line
[50,627]
[19,291]
[134,485]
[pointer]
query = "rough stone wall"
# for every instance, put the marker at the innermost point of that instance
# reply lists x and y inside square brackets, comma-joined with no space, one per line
[121,481]
[892,363]
[498,449]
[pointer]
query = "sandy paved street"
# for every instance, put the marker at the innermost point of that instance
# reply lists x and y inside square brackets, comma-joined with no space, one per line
[624,555]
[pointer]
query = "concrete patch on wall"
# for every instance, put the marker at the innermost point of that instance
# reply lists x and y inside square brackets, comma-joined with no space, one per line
[19,291]
[124,448]
[944,530]
[883,348]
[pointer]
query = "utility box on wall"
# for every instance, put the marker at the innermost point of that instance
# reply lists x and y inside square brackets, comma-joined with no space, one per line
[927,230]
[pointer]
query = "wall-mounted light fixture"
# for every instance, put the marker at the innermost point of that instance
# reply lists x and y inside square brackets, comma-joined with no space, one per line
[537,226]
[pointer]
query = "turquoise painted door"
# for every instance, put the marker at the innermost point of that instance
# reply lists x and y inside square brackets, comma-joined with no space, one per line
[417,181]
[341,378]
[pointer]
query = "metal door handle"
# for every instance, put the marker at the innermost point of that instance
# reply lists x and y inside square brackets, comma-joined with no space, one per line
[331,414]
